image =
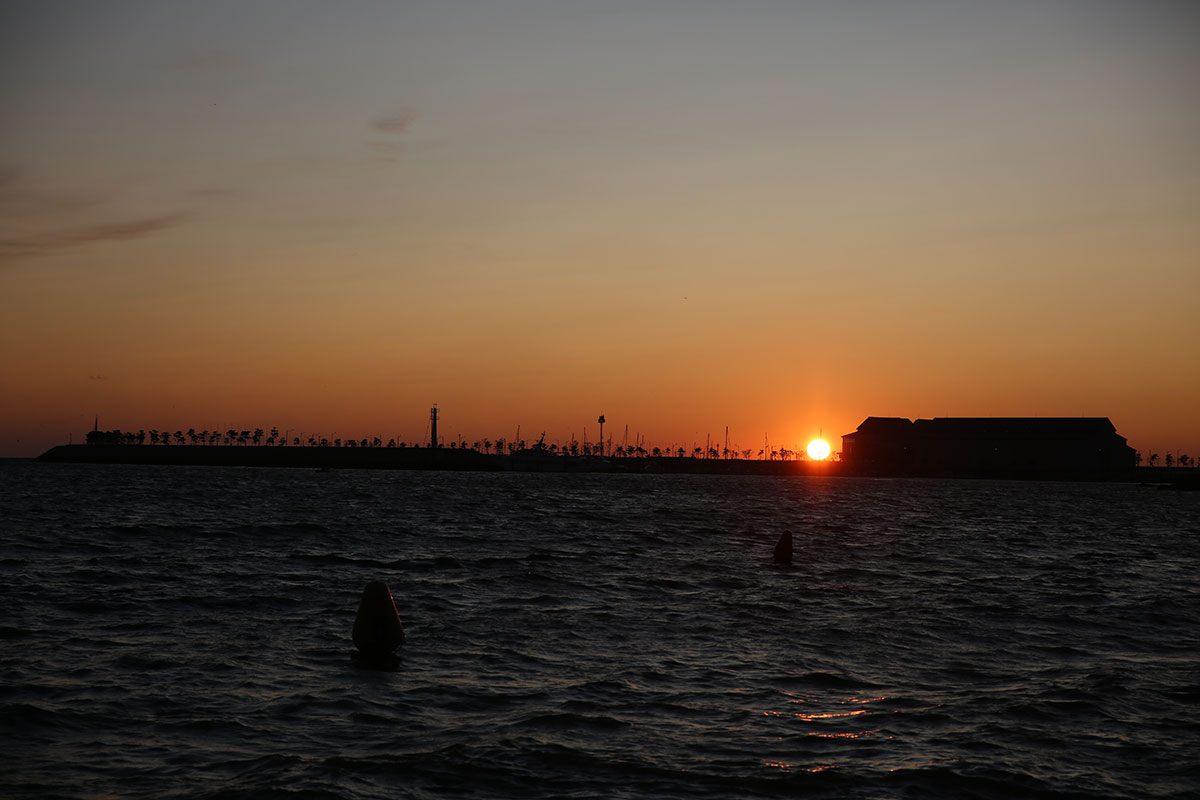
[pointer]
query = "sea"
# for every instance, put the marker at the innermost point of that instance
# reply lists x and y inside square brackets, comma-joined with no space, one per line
[180,632]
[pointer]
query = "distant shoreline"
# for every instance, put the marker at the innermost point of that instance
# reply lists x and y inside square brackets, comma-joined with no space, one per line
[530,461]
[413,458]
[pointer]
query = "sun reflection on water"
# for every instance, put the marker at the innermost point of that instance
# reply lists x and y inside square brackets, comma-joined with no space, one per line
[825,719]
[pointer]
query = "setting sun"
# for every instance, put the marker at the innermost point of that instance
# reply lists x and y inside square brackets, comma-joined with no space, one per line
[818,449]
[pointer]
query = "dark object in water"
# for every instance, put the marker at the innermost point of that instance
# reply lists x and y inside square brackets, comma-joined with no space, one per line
[783,548]
[377,628]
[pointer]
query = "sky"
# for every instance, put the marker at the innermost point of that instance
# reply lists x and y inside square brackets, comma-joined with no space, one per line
[776,217]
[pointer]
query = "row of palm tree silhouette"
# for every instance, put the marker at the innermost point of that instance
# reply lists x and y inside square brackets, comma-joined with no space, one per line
[1183,460]
[259,437]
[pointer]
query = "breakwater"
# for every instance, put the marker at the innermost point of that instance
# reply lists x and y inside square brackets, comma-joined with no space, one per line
[418,459]
[468,460]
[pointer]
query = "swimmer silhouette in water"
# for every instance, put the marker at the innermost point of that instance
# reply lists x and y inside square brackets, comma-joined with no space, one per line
[783,549]
[377,628]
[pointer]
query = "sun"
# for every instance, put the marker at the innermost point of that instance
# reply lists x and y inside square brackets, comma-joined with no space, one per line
[818,449]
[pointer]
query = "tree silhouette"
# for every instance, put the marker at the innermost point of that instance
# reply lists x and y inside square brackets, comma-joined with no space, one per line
[1153,458]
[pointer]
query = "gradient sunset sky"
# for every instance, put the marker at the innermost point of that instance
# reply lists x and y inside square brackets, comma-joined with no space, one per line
[778,217]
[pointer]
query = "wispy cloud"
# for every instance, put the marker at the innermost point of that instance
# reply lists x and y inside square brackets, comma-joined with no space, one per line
[397,123]
[67,239]
[393,126]
[22,198]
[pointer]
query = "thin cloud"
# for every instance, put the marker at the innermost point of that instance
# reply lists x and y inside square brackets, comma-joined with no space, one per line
[392,126]
[395,124]
[99,233]
[21,197]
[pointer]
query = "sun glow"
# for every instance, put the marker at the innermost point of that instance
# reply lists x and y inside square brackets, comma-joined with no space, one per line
[818,449]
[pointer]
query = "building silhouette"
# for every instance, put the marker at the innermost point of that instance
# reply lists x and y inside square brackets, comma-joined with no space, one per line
[1033,447]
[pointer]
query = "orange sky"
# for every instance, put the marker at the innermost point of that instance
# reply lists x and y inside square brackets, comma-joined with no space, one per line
[776,219]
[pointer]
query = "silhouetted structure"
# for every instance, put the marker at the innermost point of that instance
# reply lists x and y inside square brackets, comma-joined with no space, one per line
[1032,447]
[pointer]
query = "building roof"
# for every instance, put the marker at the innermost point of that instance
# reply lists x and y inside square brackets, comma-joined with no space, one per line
[1040,428]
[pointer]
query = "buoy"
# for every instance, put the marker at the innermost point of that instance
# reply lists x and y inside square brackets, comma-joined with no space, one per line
[377,628]
[783,548]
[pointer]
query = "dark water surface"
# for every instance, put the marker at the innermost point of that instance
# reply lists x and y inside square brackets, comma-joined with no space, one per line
[185,632]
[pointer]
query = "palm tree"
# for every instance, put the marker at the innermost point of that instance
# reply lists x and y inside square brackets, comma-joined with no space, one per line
[1169,460]
[1153,458]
